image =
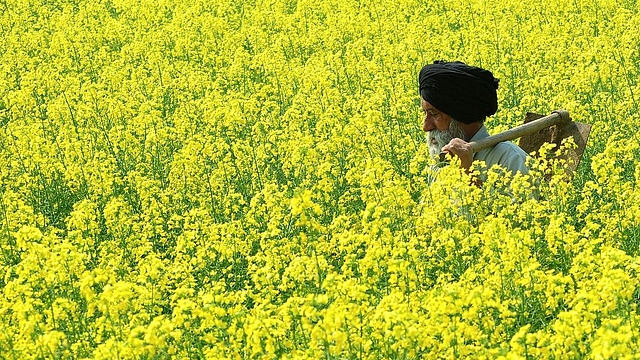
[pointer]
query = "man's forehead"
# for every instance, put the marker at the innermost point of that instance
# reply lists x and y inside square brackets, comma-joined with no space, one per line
[426,105]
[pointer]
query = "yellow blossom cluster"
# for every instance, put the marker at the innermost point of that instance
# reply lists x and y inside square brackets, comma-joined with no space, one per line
[249,180]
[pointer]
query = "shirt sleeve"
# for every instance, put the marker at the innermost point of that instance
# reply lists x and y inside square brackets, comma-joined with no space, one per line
[509,156]
[515,162]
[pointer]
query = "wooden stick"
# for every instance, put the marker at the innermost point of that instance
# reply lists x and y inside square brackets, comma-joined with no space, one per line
[555,118]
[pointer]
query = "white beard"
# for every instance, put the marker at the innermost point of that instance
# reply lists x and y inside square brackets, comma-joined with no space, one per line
[437,139]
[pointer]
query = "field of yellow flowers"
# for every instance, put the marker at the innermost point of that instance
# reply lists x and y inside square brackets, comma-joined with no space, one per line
[233,179]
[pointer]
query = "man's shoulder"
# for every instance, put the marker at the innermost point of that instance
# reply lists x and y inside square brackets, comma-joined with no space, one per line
[507,147]
[506,154]
[501,150]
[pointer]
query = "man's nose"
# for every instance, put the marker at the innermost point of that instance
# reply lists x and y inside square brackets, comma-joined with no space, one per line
[427,124]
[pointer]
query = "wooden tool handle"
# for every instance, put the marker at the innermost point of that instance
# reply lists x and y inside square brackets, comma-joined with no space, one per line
[556,117]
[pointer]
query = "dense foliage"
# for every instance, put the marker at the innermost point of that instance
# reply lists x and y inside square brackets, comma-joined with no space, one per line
[228,179]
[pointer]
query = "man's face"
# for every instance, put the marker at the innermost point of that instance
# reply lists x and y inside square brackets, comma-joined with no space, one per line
[440,127]
[434,119]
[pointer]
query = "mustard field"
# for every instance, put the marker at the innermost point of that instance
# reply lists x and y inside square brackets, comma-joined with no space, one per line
[249,180]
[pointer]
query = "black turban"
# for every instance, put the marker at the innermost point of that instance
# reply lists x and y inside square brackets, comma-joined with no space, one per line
[466,93]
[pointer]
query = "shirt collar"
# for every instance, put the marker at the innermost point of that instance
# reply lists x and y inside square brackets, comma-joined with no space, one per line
[480,134]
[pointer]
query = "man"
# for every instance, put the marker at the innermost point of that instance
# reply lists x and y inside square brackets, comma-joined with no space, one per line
[456,99]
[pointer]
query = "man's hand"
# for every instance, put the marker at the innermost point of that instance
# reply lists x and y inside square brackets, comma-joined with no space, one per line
[462,150]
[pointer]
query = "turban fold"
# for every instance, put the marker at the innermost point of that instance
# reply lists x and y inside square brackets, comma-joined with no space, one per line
[466,93]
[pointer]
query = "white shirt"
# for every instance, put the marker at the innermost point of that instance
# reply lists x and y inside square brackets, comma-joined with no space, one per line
[506,154]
